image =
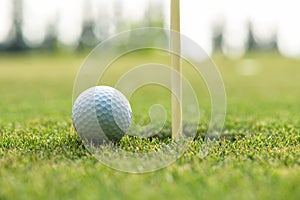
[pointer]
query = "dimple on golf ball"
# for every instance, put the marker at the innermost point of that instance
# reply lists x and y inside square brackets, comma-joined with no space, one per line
[100,114]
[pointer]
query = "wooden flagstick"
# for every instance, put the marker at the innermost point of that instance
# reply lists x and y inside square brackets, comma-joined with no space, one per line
[175,45]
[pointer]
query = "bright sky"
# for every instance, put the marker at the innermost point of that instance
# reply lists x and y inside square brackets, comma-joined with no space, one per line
[198,16]
[5,21]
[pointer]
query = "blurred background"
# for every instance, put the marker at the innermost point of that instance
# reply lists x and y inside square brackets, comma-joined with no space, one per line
[233,27]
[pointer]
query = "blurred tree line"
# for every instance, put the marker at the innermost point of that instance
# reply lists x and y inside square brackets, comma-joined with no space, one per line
[153,17]
[90,36]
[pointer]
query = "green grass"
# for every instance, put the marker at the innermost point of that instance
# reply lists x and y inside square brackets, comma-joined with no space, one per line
[41,157]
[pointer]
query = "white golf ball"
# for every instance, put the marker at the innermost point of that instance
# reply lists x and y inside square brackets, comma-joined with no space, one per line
[100,114]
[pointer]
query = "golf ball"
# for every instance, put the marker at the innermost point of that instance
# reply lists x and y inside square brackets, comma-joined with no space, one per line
[100,114]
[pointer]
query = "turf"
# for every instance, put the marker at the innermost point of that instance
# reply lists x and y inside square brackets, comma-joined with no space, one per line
[41,157]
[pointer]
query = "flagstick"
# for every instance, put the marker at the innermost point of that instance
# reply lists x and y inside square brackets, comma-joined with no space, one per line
[175,45]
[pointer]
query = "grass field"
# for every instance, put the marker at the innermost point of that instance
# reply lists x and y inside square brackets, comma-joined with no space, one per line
[41,157]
